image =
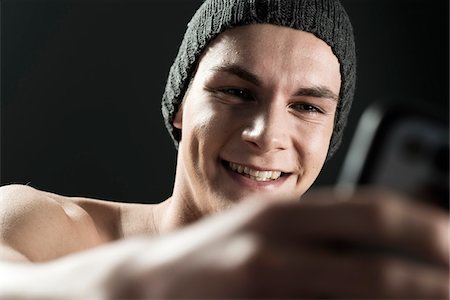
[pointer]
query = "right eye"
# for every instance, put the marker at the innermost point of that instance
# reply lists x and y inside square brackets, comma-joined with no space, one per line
[238,93]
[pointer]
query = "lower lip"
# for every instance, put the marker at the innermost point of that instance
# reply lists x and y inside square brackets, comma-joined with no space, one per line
[253,184]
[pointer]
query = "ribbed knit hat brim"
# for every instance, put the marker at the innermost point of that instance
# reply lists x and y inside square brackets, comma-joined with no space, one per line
[326,19]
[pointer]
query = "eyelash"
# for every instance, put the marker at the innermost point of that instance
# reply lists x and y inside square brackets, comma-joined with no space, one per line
[306,107]
[245,95]
[238,93]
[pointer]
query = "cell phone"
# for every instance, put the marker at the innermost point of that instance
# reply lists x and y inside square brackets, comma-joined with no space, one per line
[405,150]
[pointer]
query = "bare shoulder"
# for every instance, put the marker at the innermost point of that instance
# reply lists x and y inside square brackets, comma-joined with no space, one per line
[40,226]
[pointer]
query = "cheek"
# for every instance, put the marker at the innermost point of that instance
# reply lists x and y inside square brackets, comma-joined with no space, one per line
[196,124]
[203,127]
[313,142]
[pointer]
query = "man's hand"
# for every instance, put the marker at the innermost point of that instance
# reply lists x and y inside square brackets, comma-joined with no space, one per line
[372,245]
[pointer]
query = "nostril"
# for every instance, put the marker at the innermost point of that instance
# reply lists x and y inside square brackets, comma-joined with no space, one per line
[254,144]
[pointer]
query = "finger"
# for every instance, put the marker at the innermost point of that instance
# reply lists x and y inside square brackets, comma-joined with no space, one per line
[378,219]
[311,275]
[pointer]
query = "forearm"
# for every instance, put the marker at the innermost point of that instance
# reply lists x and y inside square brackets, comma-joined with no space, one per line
[25,281]
[90,274]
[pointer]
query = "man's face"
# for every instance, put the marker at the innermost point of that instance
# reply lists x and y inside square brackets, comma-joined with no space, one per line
[258,116]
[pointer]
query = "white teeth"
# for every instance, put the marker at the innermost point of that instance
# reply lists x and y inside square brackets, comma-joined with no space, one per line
[275,174]
[255,174]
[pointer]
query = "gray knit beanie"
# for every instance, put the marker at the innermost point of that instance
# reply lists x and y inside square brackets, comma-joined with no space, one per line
[326,19]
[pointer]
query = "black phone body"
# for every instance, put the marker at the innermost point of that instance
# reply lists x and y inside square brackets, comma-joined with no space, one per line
[405,150]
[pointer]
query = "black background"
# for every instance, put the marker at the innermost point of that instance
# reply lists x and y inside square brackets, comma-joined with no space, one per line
[81,83]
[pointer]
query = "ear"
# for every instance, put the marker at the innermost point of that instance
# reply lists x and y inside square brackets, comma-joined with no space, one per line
[178,120]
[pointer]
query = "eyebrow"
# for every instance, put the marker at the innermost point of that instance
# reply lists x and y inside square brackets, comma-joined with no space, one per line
[317,92]
[239,72]
[313,91]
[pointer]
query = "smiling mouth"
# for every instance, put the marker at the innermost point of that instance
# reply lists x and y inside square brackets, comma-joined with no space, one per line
[257,175]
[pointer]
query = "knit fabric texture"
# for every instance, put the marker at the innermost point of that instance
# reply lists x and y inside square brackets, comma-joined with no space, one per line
[326,19]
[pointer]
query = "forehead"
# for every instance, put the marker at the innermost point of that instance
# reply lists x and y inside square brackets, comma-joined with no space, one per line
[274,52]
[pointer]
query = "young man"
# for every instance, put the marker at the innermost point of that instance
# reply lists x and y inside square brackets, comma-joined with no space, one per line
[256,102]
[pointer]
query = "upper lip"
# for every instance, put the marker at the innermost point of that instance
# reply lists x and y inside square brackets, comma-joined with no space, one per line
[257,168]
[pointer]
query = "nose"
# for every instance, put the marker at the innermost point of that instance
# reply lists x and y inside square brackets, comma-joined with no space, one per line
[267,131]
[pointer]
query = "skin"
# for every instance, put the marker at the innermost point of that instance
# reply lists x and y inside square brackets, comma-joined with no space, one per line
[271,109]
[266,243]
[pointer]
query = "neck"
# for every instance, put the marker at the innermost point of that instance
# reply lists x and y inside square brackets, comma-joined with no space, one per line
[180,209]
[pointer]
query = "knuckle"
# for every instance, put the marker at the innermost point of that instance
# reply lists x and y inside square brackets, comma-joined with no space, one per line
[382,215]
[437,239]
[386,275]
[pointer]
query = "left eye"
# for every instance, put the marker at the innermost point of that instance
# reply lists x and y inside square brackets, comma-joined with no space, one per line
[305,107]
